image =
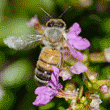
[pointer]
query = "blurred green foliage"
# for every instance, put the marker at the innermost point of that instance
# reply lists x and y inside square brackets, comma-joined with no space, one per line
[7,100]
[94,19]
[16,73]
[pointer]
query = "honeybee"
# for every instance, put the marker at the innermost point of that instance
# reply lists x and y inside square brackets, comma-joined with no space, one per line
[53,37]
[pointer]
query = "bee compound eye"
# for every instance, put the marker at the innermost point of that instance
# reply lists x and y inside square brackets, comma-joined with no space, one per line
[60,24]
[50,24]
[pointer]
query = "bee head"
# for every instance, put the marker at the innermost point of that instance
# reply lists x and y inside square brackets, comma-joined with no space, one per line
[56,23]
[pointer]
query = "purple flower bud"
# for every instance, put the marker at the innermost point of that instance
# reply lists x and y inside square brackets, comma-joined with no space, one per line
[104,88]
[33,21]
[65,74]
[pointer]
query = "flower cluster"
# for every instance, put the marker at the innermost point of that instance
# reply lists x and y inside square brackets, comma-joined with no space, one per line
[73,58]
[75,41]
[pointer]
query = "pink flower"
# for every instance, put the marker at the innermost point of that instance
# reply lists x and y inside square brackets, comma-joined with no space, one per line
[78,68]
[47,93]
[65,74]
[34,20]
[75,41]
[104,88]
[75,28]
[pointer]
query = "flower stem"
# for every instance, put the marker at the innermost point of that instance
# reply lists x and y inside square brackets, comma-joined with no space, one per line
[97,57]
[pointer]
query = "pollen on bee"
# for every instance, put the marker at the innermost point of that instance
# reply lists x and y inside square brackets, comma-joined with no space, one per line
[47,57]
[44,65]
[52,52]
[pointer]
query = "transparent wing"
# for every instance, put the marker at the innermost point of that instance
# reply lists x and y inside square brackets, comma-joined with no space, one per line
[23,42]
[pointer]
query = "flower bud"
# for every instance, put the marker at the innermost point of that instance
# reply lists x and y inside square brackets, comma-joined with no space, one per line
[104,89]
[83,100]
[107,54]
[92,76]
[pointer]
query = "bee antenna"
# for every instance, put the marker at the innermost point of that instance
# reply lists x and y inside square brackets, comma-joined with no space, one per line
[64,12]
[45,12]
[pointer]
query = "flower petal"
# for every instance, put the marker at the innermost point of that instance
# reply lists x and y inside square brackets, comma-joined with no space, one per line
[81,44]
[75,41]
[42,100]
[75,28]
[55,75]
[71,36]
[65,74]
[44,90]
[78,55]
[59,87]
[78,68]
[78,42]
[54,82]
[45,95]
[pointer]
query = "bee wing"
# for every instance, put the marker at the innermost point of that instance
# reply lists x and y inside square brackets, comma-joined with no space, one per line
[23,42]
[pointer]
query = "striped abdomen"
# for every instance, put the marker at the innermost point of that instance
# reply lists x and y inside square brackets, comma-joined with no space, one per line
[47,58]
